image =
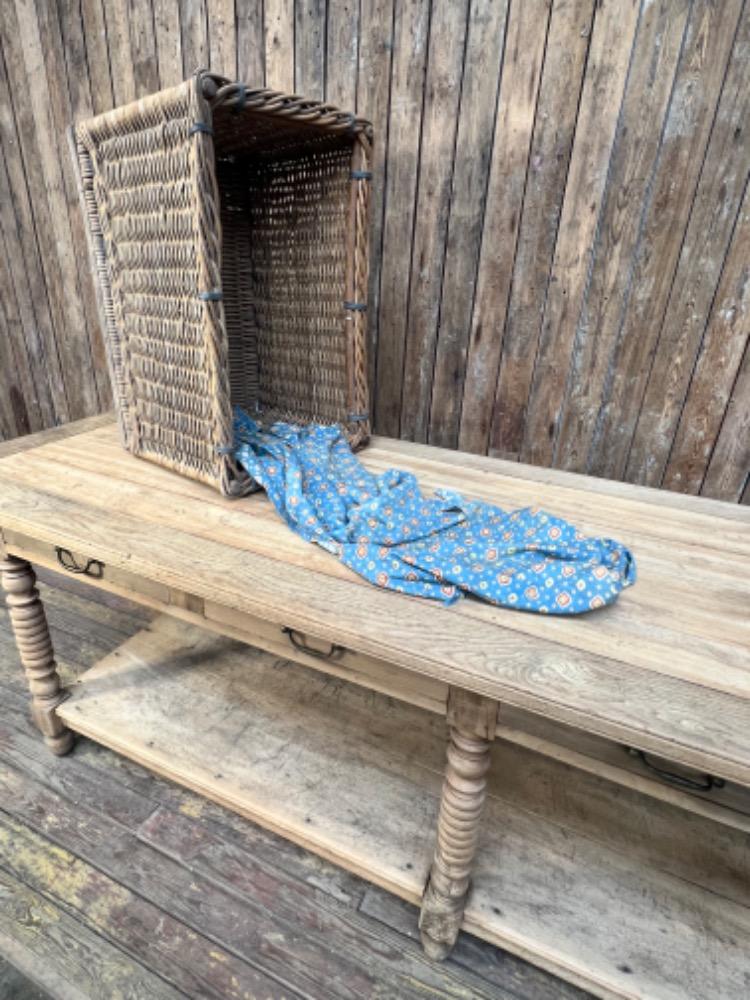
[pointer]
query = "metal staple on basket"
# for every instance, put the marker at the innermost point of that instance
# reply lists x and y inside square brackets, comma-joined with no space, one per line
[228,230]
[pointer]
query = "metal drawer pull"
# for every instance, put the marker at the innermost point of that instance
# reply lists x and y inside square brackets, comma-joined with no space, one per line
[705,783]
[297,639]
[67,560]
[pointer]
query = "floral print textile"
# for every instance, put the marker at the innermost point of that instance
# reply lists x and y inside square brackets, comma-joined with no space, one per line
[440,547]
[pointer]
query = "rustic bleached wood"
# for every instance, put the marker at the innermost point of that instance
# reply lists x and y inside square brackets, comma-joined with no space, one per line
[702,256]
[373,92]
[35,649]
[278,18]
[445,65]
[657,244]
[514,125]
[471,721]
[656,52]
[554,128]
[482,64]
[194,26]
[309,48]
[222,38]
[251,51]
[410,39]
[714,378]
[698,83]
[546,828]
[606,73]
[598,662]
[727,474]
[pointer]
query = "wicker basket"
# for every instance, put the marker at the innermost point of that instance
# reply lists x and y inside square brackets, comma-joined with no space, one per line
[228,231]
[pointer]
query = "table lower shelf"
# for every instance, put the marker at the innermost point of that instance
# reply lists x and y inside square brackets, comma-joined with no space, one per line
[618,893]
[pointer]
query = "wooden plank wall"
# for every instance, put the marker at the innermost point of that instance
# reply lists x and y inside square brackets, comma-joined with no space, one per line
[561,228]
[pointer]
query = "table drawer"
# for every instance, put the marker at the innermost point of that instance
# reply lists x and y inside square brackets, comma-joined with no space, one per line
[626,765]
[85,565]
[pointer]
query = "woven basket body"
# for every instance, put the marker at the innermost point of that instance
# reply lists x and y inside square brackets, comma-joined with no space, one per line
[229,243]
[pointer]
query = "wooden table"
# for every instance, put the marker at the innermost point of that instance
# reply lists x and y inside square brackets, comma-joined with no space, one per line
[587,861]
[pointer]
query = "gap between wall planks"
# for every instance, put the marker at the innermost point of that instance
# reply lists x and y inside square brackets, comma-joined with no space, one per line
[560,212]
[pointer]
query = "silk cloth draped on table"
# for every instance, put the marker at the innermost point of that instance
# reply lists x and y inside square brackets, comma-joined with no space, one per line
[440,547]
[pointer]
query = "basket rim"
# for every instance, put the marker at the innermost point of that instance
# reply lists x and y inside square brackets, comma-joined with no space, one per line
[220,90]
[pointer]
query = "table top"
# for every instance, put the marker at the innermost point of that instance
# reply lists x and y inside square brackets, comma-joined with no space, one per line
[666,668]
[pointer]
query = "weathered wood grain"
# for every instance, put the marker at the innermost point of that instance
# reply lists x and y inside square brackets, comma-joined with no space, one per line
[727,474]
[554,128]
[309,48]
[93,26]
[278,18]
[63,955]
[410,41]
[91,349]
[275,577]
[482,64]
[373,103]
[656,51]
[716,368]
[222,37]
[251,56]
[117,19]
[504,316]
[713,217]
[519,84]
[703,62]
[194,27]
[342,53]
[604,82]
[445,62]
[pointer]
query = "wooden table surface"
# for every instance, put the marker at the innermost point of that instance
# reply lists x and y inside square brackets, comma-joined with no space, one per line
[667,668]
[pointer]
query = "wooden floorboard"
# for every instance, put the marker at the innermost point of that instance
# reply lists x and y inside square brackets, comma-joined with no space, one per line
[107,870]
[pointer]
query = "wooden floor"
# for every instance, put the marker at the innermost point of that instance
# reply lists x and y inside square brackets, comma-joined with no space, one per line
[115,883]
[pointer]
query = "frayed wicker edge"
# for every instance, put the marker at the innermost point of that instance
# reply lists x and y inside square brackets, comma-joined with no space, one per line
[83,169]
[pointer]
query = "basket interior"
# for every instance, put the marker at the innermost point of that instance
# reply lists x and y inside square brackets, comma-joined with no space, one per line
[284,194]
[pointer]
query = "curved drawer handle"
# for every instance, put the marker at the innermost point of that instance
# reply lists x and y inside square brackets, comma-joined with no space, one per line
[67,560]
[297,639]
[704,783]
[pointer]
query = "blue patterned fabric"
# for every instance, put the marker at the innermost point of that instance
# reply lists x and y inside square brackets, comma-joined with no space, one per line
[439,547]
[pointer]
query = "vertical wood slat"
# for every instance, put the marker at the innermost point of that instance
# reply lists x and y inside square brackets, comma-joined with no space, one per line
[519,84]
[222,37]
[500,305]
[373,103]
[711,29]
[729,469]
[41,163]
[168,42]
[194,34]
[481,77]
[251,55]
[655,55]
[342,53]
[35,364]
[445,59]
[404,127]
[606,73]
[554,128]
[43,40]
[309,48]
[279,28]
[714,210]
[716,369]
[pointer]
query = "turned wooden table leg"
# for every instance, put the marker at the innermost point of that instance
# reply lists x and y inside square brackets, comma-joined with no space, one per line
[35,648]
[472,720]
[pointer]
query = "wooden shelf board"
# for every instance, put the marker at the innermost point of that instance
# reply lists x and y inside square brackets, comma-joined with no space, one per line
[355,776]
